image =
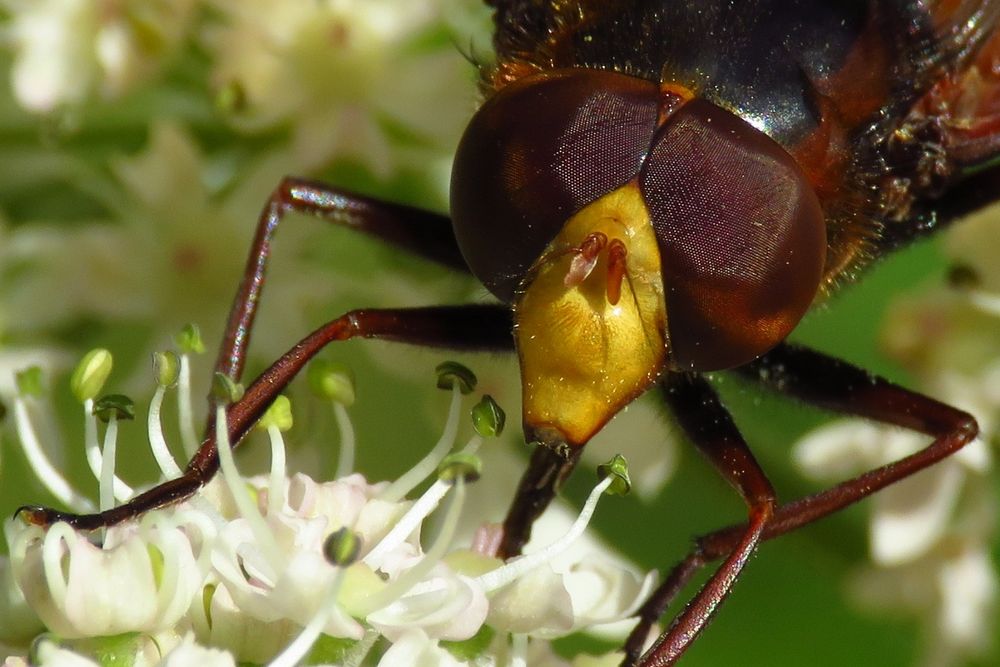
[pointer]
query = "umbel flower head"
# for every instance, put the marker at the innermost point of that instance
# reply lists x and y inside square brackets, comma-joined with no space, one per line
[283,569]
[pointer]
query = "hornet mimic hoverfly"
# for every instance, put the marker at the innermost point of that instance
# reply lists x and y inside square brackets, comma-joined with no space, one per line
[658,189]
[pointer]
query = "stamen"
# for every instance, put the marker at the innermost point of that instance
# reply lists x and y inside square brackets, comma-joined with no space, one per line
[410,521]
[110,409]
[237,489]
[92,447]
[334,382]
[427,465]
[585,259]
[345,458]
[278,418]
[185,417]
[164,459]
[341,550]
[276,480]
[617,255]
[507,573]
[519,650]
[301,645]
[411,577]
[40,464]
[106,486]
[419,511]
[357,653]
[188,341]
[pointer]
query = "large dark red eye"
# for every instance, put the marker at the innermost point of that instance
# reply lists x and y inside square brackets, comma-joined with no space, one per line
[537,152]
[741,233]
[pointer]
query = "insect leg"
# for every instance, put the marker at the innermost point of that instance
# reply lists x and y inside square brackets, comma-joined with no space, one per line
[425,234]
[710,427]
[469,327]
[539,484]
[838,386]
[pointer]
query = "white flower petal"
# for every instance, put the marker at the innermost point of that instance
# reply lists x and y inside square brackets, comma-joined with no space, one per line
[537,604]
[50,654]
[68,50]
[416,649]
[836,450]
[910,516]
[53,66]
[976,456]
[968,586]
[445,606]
[296,593]
[602,592]
[246,637]
[88,600]
[190,654]
[20,623]
[606,660]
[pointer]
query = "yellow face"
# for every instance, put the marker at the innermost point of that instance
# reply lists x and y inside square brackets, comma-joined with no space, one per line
[591,321]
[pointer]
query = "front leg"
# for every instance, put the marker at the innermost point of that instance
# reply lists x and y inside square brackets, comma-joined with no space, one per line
[470,327]
[422,233]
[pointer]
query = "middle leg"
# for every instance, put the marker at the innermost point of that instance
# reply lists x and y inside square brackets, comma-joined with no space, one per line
[470,327]
[422,233]
[711,429]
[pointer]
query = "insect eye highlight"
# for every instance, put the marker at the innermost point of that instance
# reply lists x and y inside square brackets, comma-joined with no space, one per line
[537,152]
[741,233]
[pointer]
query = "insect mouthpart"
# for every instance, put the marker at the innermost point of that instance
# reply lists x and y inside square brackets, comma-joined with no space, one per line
[591,320]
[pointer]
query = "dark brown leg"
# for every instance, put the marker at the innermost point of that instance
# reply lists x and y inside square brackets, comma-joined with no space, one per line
[838,386]
[539,484]
[454,327]
[711,429]
[425,234]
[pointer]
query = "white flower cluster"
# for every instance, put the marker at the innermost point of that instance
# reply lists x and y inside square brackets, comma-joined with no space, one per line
[931,535]
[69,50]
[286,570]
[274,88]
[341,73]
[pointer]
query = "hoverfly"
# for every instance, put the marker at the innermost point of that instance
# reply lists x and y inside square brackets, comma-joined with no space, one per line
[657,189]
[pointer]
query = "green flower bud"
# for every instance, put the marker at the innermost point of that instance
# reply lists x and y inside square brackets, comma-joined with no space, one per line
[166,368]
[618,467]
[225,390]
[29,381]
[279,414]
[342,547]
[467,466]
[91,373]
[488,418]
[189,341]
[450,372]
[332,381]
[118,405]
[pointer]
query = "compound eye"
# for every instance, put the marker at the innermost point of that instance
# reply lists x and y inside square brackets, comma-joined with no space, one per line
[537,152]
[741,233]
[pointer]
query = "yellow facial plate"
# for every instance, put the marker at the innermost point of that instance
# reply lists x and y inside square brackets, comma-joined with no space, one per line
[582,358]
